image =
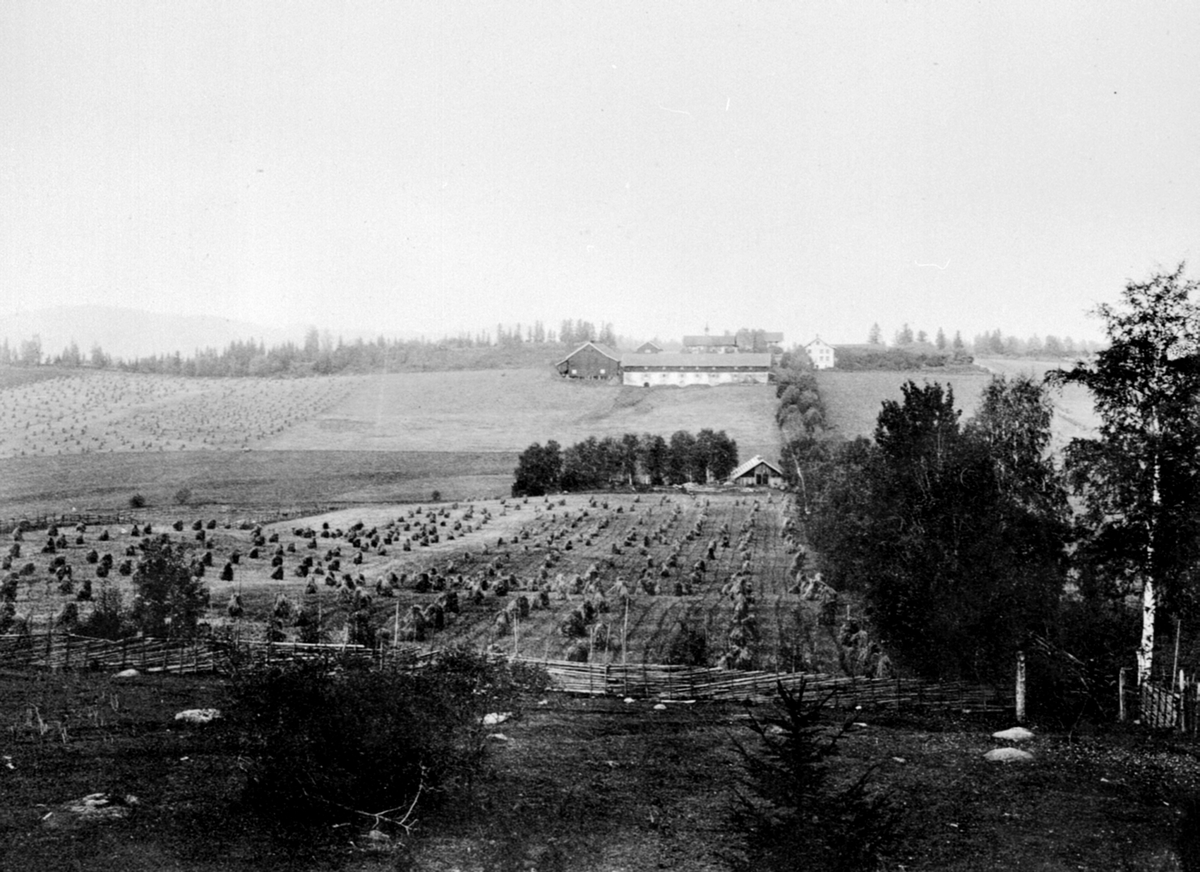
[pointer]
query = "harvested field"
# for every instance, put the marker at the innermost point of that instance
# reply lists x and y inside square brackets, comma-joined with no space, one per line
[612,579]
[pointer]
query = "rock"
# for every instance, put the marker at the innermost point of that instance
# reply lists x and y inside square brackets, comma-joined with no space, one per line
[94,808]
[498,737]
[127,673]
[198,716]
[491,720]
[1013,734]
[660,707]
[629,700]
[1008,755]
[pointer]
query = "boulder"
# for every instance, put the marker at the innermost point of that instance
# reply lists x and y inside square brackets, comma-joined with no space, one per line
[198,716]
[127,673]
[1008,755]
[1013,734]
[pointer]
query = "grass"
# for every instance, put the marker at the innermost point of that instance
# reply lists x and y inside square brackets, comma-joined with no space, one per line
[853,399]
[588,784]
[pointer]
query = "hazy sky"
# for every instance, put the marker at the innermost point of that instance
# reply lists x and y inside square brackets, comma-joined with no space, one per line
[806,167]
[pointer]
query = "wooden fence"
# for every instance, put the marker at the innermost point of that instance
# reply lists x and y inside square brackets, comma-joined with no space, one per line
[1173,706]
[57,650]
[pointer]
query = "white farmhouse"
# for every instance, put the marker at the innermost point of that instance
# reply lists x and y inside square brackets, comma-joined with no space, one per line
[820,353]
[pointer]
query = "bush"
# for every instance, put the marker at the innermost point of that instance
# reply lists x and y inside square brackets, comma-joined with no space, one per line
[792,809]
[137,501]
[355,744]
[183,496]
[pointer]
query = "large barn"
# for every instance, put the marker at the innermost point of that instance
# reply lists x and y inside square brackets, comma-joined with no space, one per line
[590,360]
[649,370]
[757,472]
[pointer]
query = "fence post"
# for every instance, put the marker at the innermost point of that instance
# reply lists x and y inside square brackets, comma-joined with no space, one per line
[1121,714]
[1020,702]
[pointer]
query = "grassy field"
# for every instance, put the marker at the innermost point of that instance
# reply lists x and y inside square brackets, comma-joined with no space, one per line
[853,399]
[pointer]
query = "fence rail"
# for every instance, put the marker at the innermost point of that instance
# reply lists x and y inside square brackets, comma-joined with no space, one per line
[63,651]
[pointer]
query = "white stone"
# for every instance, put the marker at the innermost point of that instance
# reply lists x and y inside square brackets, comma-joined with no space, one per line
[628,700]
[1013,734]
[1007,755]
[127,673]
[198,716]
[491,720]
[498,737]
[660,708]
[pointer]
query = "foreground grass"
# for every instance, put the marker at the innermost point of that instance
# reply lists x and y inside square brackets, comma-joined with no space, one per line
[588,784]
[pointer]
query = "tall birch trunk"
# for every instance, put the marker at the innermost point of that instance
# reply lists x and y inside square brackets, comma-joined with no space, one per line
[1145,656]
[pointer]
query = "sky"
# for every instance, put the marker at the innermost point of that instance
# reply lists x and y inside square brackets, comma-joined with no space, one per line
[439,168]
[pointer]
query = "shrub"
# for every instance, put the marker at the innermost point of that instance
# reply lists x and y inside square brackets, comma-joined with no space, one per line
[354,744]
[791,808]
[183,496]
[137,501]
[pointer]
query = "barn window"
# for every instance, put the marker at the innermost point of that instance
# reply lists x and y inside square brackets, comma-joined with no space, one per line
[574,371]
[602,371]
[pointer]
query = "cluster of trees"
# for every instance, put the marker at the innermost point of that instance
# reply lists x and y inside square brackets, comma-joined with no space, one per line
[993,344]
[628,460]
[969,543]
[996,344]
[956,534]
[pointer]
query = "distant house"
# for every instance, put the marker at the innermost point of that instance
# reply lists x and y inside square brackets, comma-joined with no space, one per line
[757,472]
[681,369]
[590,360]
[821,354]
[648,348]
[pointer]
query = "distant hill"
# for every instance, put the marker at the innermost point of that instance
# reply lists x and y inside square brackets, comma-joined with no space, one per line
[129,333]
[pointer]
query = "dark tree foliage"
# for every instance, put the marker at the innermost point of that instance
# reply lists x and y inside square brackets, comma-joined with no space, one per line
[957,563]
[539,470]
[169,599]
[594,464]
[652,455]
[679,457]
[1139,480]
[792,815]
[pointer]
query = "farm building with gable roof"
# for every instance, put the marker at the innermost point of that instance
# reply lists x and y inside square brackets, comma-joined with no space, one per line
[648,348]
[684,368]
[757,472]
[590,360]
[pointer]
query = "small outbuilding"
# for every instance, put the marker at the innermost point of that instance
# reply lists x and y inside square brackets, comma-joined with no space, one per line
[590,360]
[648,348]
[757,472]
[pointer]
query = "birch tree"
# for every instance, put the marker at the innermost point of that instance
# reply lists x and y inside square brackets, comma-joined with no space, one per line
[1138,479]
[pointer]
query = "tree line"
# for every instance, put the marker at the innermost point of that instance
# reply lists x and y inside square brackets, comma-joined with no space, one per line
[969,542]
[630,459]
[320,353]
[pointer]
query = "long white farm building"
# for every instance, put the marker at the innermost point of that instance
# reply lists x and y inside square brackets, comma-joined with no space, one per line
[649,370]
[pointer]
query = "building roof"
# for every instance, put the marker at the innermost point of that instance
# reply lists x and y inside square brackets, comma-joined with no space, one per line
[820,341]
[647,347]
[603,349]
[707,341]
[751,464]
[683,360]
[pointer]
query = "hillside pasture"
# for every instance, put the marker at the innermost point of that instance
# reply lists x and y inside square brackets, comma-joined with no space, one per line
[507,410]
[853,399]
[609,578]
[1074,412]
